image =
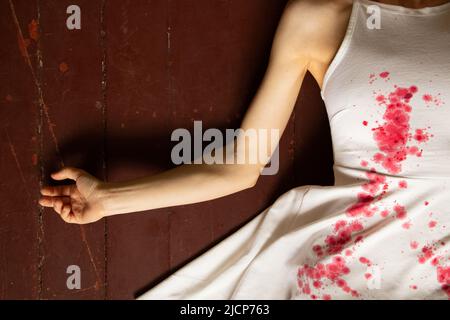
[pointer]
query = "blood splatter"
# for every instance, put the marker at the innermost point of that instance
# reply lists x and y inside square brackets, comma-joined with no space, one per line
[427,97]
[396,141]
[427,253]
[308,276]
[400,211]
[432,224]
[363,207]
[413,89]
[406,225]
[414,245]
[430,99]
[381,98]
[365,261]
[421,135]
[393,135]
[443,277]
[343,234]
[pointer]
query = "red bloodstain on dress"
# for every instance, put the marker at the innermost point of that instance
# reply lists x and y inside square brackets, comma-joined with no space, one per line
[396,140]
[332,272]
[443,277]
[384,74]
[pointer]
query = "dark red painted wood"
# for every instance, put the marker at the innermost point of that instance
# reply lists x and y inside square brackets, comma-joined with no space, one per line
[138,137]
[313,145]
[252,25]
[20,236]
[73,134]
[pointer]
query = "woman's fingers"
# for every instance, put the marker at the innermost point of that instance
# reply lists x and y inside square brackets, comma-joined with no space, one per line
[68,173]
[46,201]
[68,199]
[61,205]
[57,190]
[65,212]
[56,203]
[67,190]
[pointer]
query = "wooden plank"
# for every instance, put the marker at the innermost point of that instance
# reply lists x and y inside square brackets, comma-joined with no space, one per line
[73,134]
[251,28]
[313,145]
[19,172]
[138,139]
[199,77]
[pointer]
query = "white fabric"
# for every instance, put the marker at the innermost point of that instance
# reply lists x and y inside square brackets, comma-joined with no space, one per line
[382,231]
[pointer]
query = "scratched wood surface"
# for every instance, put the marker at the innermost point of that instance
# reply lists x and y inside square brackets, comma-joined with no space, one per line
[72,104]
[20,234]
[107,98]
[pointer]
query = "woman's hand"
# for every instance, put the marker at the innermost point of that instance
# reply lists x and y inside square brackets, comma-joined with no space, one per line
[80,202]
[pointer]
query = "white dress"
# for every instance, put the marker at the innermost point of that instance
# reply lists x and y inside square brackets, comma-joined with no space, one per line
[383,230]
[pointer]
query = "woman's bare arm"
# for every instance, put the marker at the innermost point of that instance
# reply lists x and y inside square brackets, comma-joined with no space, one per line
[294,50]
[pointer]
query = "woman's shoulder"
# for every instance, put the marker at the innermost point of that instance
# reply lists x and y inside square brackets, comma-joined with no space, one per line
[317,18]
[316,23]
[298,9]
[315,29]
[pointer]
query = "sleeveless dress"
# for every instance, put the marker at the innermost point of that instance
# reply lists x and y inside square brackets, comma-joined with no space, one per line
[382,231]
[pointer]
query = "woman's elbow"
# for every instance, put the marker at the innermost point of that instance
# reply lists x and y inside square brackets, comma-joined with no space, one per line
[246,178]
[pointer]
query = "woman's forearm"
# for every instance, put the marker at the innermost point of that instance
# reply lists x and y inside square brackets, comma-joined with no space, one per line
[185,184]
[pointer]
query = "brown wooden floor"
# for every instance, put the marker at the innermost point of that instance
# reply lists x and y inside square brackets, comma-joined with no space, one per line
[106,98]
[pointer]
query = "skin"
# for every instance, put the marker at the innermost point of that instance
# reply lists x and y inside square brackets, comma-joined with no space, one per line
[307,39]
